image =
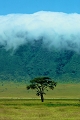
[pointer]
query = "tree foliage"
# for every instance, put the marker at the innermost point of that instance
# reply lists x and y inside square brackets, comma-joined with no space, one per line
[35,59]
[41,84]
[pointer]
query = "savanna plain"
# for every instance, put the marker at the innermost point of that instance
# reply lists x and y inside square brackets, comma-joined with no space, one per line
[16,103]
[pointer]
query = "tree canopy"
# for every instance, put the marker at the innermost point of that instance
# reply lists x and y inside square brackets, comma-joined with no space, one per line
[41,84]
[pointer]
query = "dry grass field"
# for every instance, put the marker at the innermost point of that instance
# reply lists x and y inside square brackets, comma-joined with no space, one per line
[18,90]
[16,103]
[28,109]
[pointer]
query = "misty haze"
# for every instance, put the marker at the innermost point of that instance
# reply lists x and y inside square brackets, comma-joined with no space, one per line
[60,30]
[40,44]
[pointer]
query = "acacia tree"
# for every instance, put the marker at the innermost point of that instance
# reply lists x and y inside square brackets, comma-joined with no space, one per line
[41,84]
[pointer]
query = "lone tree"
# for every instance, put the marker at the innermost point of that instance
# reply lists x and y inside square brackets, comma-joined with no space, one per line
[41,84]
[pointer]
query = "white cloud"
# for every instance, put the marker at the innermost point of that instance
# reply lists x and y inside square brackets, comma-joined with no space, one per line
[57,29]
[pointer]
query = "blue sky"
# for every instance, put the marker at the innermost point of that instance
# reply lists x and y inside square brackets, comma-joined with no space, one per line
[31,6]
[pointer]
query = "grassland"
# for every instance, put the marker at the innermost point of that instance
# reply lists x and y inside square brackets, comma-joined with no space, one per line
[28,109]
[16,103]
[18,90]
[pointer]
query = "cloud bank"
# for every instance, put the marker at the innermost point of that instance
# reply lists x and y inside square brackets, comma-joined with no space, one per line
[59,30]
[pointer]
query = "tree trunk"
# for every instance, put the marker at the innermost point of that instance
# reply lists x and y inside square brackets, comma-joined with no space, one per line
[42,98]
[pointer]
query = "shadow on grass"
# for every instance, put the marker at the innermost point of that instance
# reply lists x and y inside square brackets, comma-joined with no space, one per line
[62,104]
[46,103]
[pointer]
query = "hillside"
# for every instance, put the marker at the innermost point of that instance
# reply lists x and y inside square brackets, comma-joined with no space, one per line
[35,59]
